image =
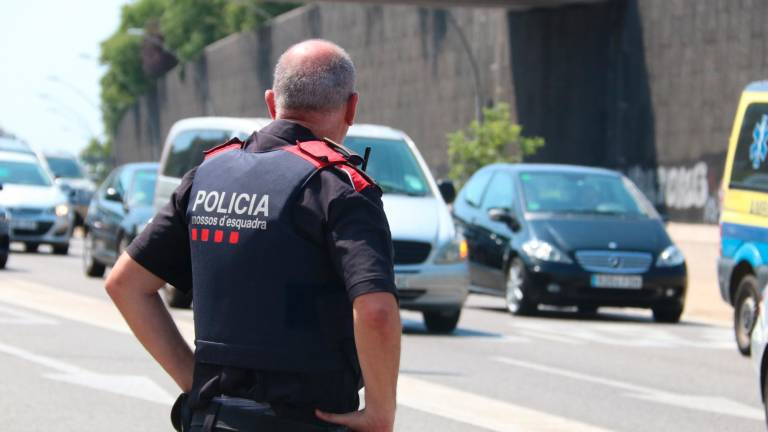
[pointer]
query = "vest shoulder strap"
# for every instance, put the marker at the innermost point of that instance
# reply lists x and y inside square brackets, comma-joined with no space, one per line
[232,144]
[323,154]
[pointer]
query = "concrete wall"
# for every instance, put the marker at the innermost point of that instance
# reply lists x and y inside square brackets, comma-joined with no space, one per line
[672,81]
[413,73]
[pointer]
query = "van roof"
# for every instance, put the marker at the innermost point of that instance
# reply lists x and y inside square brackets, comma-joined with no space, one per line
[14,156]
[757,86]
[248,125]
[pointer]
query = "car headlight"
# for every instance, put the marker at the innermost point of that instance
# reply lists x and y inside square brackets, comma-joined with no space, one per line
[454,251]
[544,251]
[670,257]
[61,210]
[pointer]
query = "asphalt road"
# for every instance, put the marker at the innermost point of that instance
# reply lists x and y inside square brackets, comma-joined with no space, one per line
[68,363]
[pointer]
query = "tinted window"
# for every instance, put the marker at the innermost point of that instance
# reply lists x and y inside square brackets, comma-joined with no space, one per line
[750,165]
[473,191]
[187,149]
[500,193]
[23,173]
[142,188]
[392,165]
[64,167]
[567,192]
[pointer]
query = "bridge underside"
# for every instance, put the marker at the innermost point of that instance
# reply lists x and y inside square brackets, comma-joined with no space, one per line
[507,4]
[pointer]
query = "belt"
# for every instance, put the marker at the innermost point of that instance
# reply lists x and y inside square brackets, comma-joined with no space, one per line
[232,414]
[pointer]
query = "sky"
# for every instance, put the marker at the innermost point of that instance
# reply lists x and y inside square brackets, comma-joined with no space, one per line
[49,69]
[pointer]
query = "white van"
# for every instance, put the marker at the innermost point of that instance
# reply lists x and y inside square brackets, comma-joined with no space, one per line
[430,253]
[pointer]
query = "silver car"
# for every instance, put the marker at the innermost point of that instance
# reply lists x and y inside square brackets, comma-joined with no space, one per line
[71,179]
[39,211]
[430,254]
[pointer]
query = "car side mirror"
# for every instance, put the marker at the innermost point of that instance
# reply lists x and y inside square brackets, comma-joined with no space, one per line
[505,216]
[113,195]
[447,190]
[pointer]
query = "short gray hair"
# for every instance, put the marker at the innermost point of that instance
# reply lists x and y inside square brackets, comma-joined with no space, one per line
[319,85]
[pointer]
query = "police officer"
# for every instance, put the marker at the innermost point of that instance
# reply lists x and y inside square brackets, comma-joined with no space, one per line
[284,242]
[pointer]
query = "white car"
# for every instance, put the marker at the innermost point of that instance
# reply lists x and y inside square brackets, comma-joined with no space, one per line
[39,210]
[430,254]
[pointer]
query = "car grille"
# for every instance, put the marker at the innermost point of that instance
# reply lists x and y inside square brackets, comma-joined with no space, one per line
[25,211]
[411,252]
[614,261]
[42,228]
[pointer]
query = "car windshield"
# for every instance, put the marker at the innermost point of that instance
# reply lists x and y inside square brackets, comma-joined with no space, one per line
[23,173]
[64,167]
[392,165]
[589,193]
[142,191]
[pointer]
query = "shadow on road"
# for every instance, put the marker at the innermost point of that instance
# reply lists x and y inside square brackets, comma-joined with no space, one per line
[417,328]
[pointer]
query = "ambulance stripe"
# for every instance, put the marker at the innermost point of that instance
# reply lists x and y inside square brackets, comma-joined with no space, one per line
[218,236]
[204,236]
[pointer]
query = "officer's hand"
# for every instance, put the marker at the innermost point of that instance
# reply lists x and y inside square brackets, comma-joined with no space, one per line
[361,421]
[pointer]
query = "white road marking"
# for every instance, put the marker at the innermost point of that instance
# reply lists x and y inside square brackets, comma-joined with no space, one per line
[710,404]
[480,411]
[469,408]
[9,315]
[136,386]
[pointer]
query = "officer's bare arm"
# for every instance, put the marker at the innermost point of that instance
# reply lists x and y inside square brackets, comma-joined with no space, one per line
[135,293]
[377,335]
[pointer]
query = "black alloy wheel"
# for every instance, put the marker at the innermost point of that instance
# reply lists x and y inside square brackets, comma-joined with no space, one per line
[668,312]
[443,321]
[764,375]
[745,312]
[91,267]
[517,290]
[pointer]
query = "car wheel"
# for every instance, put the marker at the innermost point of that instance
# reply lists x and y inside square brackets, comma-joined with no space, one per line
[745,312]
[60,249]
[91,267]
[764,374]
[444,321]
[3,260]
[587,309]
[177,298]
[517,293]
[31,247]
[667,313]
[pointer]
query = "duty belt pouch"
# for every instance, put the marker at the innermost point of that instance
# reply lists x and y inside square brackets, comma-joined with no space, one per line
[181,414]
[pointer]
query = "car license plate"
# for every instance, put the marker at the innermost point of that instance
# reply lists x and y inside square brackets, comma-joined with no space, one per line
[23,224]
[401,281]
[616,281]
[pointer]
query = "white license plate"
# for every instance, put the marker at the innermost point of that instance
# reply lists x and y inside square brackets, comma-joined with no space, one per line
[23,224]
[616,281]
[401,281]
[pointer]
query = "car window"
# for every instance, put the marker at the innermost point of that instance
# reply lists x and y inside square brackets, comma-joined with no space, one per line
[500,192]
[392,165]
[576,192]
[23,173]
[750,164]
[64,167]
[142,188]
[473,191]
[187,149]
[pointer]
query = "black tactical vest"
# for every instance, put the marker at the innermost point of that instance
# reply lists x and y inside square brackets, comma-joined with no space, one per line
[265,298]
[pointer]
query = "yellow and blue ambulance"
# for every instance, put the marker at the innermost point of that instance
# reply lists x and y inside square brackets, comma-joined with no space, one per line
[743,264]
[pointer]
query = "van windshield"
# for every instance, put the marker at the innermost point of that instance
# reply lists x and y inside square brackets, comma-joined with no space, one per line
[392,165]
[23,173]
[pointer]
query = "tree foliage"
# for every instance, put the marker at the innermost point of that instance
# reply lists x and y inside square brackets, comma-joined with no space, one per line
[187,27]
[496,139]
[97,157]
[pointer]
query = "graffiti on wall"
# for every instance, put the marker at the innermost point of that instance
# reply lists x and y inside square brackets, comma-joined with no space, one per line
[692,188]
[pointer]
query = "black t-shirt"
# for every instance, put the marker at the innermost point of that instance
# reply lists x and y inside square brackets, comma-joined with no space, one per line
[352,227]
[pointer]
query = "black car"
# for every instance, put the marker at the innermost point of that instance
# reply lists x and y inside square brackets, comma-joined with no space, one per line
[568,236]
[119,210]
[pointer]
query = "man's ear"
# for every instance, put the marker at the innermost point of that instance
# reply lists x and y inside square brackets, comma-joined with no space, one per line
[349,115]
[269,98]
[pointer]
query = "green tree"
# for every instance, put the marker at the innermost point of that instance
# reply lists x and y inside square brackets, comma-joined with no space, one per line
[496,139]
[97,157]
